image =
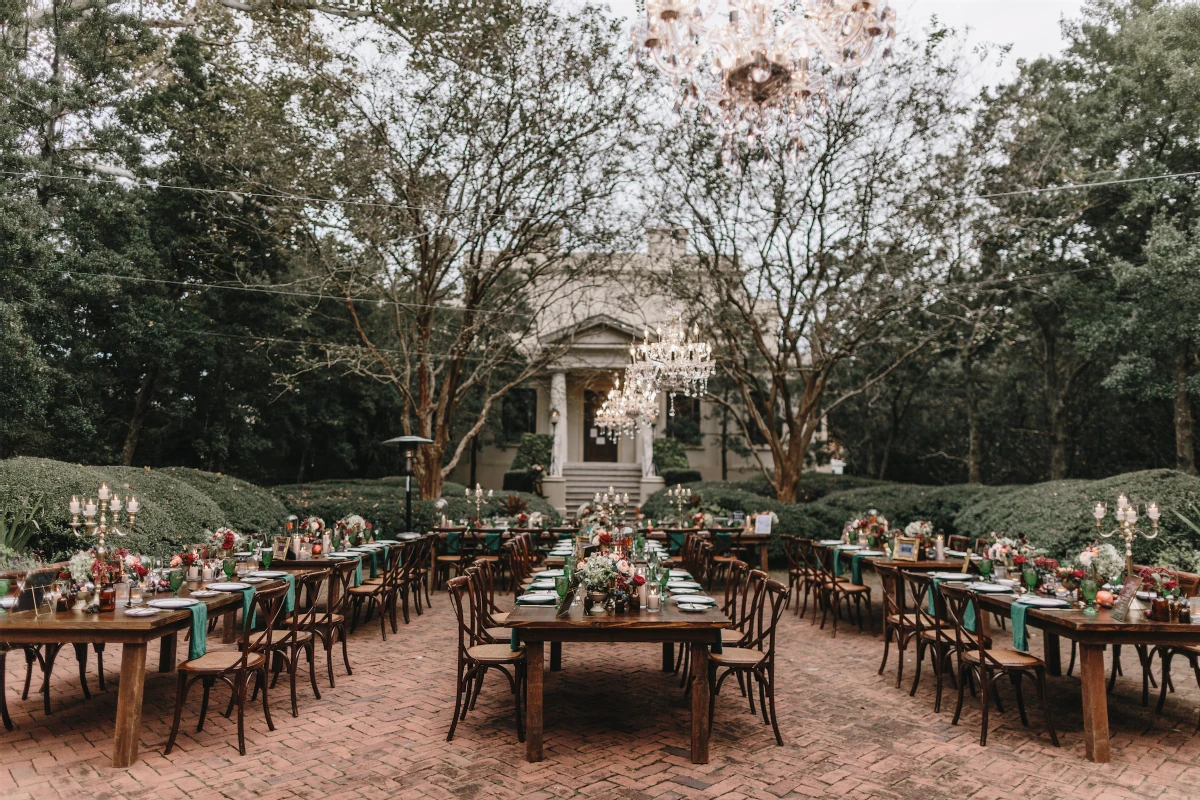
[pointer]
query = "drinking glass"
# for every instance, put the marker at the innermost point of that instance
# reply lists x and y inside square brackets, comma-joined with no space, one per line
[1030,577]
[1088,589]
[561,585]
[267,554]
[229,566]
[175,579]
[985,569]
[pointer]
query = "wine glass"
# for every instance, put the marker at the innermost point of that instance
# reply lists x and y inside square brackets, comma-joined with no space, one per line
[561,585]
[1030,577]
[229,566]
[1088,589]
[985,569]
[175,579]
[267,554]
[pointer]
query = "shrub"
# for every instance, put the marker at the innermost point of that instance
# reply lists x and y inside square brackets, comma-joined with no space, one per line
[248,508]
[901,503]
[813,485]
[173,512]
[522,480]
[673,477]
[535,448]
[669,454]
[1057,515]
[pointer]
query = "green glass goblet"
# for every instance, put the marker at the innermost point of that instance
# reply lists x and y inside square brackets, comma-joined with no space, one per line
[1087,589]
[985,569]
[265,557]
[1030,576]
[229,566]
[175,580]
[561,584]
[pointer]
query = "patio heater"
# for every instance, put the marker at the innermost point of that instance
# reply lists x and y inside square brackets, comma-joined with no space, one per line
[409,444]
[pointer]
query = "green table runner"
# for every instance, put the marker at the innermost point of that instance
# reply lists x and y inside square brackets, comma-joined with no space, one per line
[1016,613]
[247,606]
[198,644]
[838,567]
[931,606]
[289,601]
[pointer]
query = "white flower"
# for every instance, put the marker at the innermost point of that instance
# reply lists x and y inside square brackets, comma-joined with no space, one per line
[919,528]
[80,566]
[624,567]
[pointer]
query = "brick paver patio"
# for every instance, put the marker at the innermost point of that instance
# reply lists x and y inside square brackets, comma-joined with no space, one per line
[616,727]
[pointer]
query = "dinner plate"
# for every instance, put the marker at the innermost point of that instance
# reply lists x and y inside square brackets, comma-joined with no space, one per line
[252,579]
[956,553]
[393,541]
[693,607]
[871,553]
[829,542]
[1147,595]
[539,598]
[1043,602]
[172,602]
[679,573]
[850,547]
[242,554]
[203,593]
[232,586]
[989,588]
[262,573]
[682,590]
[548,573]
[683,585]
[1006,581]
[141,612]
[542,585]
[343,554]
[696,599]
[952,576]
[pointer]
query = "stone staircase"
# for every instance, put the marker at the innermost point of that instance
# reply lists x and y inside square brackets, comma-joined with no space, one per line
[586,478]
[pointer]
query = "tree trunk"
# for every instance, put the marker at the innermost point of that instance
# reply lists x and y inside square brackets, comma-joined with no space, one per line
[974,439]
[724,443]
[427,465]
[1059,443]
[1185,449]
[141,408]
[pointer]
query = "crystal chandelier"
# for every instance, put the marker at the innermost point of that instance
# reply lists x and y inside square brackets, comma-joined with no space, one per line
[627,408]
[674,364]
[746,63]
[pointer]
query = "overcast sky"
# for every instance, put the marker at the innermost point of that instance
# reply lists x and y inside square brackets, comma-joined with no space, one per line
[1031,26]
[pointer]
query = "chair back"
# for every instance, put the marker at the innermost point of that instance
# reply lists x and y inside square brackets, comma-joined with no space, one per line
[924,595]
[981,545]
[766,608]
[676,541]
[265,608]
[738,570]
[893,590]
[957,601]
[452,544]
[485,578]
[813,560]
[398,561]
[462,597]
[341,577]
[958,542]
[722,543]
[308,588]
[791,551]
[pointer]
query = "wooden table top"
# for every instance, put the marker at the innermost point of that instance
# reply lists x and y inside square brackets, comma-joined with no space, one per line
[1099,627]
[113,626]
[543,618]
[947,564]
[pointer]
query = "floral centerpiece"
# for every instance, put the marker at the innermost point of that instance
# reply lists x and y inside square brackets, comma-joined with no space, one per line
[1005,549]
[353,529]
[872,526]
[1102,562]
[1160,580]
[80,567]
[227,539]
[1070,577]
[598,574]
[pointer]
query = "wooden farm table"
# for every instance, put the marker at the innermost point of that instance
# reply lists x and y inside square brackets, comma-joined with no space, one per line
[949,564]
[133,634]
[326,565]
[741,537]
[535,625]
[1093,632]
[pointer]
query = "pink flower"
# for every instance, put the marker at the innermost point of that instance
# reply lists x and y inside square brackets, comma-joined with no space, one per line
[176,561]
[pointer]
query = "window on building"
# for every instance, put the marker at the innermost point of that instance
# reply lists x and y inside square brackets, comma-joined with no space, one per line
[518,414]
[685,425]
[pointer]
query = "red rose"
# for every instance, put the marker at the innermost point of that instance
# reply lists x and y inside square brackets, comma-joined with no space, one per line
[639,580]
[605,538]
[1019,561]
[1170,584]
[1080,574]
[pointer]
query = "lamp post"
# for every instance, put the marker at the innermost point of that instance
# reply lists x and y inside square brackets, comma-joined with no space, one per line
[409,443]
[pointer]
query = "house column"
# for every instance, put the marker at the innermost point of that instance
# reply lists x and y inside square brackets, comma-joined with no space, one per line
[554,484]
[650,482]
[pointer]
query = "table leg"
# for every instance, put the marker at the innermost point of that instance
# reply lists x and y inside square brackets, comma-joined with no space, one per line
[699,703]
[1052,655]
[129,704]
[763,556]
[166,652]
[555,656]
[228,627]
[533,702]
[1095,702]
[668,659]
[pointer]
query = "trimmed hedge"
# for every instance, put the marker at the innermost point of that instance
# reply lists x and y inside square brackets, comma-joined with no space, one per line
[674,477]
[1057,516]
[901,503]
[382,504]
[519,480]
[175,510]
[535,448]
[669,454]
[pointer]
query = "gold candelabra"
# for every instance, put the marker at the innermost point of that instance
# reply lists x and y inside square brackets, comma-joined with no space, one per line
[612,503]
[106,501]
[478,496]
[679,496]
[1127,526]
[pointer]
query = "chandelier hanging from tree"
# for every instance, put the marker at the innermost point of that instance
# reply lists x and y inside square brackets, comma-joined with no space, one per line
[626,409]
[746,64]
[675,364]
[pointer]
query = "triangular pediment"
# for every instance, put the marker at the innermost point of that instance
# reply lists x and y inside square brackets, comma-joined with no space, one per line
[600,330]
